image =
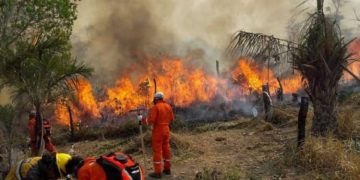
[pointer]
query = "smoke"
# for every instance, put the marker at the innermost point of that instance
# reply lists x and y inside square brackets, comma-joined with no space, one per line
[113,35]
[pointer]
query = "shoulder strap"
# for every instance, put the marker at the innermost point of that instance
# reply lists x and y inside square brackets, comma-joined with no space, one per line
[113,172]
[18,170]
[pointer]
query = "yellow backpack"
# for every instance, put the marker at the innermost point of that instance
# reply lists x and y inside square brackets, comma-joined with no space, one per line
[19,171]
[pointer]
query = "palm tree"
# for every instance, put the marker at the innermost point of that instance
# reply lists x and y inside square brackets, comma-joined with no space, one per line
[321,57]
[41,71]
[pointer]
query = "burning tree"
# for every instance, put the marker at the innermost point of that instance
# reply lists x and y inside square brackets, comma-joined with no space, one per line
[321,57]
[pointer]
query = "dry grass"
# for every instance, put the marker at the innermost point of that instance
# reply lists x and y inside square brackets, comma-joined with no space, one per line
[328,158]
[215,174]
[282,115]
[346,125]
[177,143]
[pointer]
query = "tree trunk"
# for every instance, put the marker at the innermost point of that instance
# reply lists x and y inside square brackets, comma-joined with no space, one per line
[10,140]
[9,153]
[71,122]
[280,92]
[320,5]
[324,102]
[267,102]
[39,129]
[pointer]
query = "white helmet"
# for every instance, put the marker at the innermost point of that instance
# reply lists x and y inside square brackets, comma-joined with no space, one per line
[159,95]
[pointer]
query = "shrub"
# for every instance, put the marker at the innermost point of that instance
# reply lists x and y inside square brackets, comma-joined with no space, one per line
[327,157]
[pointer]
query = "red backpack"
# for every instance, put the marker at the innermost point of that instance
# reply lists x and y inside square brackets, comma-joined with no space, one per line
[119,166]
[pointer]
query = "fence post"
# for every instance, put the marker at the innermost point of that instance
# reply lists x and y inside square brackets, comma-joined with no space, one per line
[304,106]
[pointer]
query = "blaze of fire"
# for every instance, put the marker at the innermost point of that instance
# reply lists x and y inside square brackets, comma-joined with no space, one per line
[86,98]
[181,83]
[249,75]
[354,67]
[62,114]
[87,105]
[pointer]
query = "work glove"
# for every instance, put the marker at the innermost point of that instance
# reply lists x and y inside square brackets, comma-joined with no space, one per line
[139,118]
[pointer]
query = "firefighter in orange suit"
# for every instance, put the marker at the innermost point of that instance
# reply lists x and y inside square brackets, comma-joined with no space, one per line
[160,117]
[32,132]
[47,133]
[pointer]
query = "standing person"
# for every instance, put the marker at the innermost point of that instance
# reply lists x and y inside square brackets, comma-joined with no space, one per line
[161,115]
[32,133]
[47,133]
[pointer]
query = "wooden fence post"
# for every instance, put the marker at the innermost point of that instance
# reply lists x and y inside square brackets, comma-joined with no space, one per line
[304,106]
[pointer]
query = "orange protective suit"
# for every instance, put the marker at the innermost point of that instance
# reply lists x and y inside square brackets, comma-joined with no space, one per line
[47,133]
[32,133]
[90,170]
[160,116]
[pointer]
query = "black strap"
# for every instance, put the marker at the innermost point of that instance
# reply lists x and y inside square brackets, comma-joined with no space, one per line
[112,171]
[20,169]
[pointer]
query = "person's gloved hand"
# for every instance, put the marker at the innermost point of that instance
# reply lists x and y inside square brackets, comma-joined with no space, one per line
[139,118]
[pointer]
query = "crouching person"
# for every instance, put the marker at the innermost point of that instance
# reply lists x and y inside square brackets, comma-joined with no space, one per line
[113,166]
[49,166]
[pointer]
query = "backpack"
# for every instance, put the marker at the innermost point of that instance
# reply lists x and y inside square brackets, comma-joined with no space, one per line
[119,166]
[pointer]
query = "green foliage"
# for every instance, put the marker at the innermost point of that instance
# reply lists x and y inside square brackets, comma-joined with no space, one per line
[322,52]
[36,62]
[321,57]
[7,114]
[20,19]
[345,96]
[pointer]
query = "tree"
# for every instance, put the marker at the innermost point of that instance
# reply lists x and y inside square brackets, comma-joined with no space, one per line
[20,19]
[321,57]
[36,62]
[7,114]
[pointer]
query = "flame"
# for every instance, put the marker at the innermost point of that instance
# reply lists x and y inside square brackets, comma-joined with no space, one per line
[182,83]
[249,75]
[354,66]
[86,98]
[62,113]
[292,84]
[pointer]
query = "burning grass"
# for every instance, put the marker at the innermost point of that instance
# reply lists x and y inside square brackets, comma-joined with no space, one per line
[184,86]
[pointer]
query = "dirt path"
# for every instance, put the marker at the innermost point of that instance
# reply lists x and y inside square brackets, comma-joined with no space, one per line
[236,149]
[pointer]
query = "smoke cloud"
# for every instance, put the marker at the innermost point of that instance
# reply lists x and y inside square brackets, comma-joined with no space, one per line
[113,35]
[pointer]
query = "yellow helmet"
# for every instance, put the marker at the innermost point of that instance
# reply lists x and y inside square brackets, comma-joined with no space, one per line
[61,160]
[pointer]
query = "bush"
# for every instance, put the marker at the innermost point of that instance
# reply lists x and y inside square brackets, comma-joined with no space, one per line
[123,130]
[327,157]
[346,126]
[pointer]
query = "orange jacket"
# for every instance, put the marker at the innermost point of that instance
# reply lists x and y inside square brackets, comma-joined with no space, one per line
[161,114]
[32,129]
[91,170]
